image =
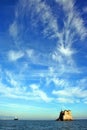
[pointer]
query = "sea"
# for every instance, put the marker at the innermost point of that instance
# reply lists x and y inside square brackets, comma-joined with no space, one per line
[43,125]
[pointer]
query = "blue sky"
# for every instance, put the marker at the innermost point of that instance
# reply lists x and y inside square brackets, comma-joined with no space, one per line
[43,52]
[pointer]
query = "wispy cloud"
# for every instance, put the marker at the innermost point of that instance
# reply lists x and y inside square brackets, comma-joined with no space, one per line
[65,100]
[41,14]
[30,53]
[15,55]
[85,100]
[13,30]
[20,92]
[11,79]
[63,91]
[66,51]
[45,16]
[38,9]
[73,29]
[16,90]
[60,60]
[40,93]
[74,94]
[71,92]
[73,21]
[58,82]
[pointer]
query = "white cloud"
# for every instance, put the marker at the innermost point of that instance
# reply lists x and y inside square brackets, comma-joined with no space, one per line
[34,87]
[62,57]
[39,11]
[69,95]
[56,56]
[15,89]
[37,57]
[32,9]
[15,55]
[30,53]
[74,26]
[82,82]
[17,93]
[71,92]
[11,79]
[78,23]
[40,93]
[45,15]
[85,100]
[58,82]
[74,21]
[13,29]
[64,93]
[65,100]
[67,5]
[66,51]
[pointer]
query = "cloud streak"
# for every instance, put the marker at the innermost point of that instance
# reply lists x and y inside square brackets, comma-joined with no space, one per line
[20,92]
[15,89]
[60,60]
[13,29]
[72,94]
[40,15]
[73,21]
[15,55]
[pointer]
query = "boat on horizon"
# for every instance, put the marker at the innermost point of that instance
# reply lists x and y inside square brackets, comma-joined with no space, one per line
[15,118]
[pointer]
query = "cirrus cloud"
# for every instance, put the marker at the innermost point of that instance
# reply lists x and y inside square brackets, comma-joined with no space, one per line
[15,55]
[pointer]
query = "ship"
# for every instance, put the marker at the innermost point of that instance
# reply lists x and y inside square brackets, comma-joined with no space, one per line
[15,118]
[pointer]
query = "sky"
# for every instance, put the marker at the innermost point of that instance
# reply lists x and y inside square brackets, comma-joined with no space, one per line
[43,58]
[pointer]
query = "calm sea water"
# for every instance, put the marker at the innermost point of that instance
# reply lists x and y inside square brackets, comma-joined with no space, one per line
[43,125]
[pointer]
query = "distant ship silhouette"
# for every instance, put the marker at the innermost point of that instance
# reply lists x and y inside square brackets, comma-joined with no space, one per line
[15,118]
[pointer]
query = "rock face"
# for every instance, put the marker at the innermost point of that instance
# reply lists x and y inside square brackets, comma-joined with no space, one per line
[65,115]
